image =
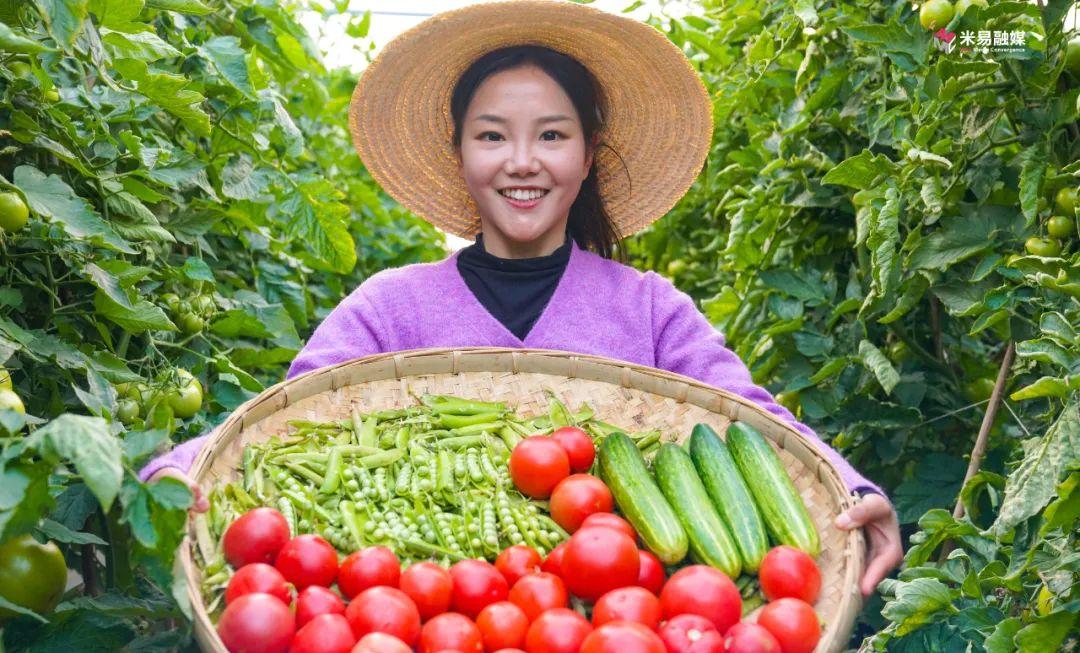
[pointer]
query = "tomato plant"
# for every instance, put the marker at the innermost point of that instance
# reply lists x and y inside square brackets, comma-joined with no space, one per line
[32,575]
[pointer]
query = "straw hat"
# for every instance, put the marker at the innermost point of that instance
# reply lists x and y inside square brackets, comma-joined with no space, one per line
[658,113]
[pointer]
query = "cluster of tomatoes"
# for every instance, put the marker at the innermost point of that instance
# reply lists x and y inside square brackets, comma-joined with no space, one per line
[190,314]
[180,392]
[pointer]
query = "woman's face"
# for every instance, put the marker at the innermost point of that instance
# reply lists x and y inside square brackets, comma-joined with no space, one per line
[509,139]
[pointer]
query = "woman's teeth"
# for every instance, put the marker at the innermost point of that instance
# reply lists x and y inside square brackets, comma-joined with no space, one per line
[523,195]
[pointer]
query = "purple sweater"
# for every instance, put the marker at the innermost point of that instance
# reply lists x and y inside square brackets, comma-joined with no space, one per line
[600,307]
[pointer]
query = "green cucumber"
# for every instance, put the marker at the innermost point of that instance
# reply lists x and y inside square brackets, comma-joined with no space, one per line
[639,500]
[730,495]
[782,508]
[710,541]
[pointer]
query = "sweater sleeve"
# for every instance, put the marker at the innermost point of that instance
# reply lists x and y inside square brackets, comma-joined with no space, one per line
[686,343]
[350,331]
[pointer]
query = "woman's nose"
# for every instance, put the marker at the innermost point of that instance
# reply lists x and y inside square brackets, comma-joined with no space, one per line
[522,159]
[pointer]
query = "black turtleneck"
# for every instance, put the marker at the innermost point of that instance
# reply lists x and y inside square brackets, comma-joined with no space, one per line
[514,290]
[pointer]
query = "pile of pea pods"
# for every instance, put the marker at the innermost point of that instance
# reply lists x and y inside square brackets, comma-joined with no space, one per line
[429,481]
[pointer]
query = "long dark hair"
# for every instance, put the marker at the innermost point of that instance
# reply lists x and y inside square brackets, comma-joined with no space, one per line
[588,223]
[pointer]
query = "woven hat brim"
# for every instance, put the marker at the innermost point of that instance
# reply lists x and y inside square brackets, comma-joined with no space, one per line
[658,112]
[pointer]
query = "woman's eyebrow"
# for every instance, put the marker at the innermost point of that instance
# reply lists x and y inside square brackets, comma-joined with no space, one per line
[499,119]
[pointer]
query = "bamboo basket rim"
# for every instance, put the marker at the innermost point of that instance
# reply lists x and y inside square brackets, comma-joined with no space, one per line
[632,375]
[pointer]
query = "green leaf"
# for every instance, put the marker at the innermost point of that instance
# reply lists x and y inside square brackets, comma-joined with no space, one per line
[1047,351]
[24,496]
[145,46]
[806,285]
[12,42]
[1045,634]
[88,444]
[905,45]
[56,531]
[183,6]
[141,317]
[18,609]
[230,60]
[1032,484]
[108,284]
[117,14]
[918,603]
[936,483]
[1032,169]
[64,18]
[879,364]
[860,171]
[914,289]
[1048,386]
[958,239]
[318,218]
[1001,640]
[196,269]
[52,198]
[166,91]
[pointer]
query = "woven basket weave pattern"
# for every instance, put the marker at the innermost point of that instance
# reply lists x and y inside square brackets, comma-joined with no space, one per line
[630,396]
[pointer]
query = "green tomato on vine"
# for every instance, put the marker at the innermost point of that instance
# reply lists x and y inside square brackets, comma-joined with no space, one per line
[935,14]
[1065,201]
[1072,57]
[9,400]
[13,212]
[1059,226]
[1047,247]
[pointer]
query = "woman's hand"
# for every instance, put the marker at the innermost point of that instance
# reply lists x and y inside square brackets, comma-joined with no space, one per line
[200,503]
[875,514]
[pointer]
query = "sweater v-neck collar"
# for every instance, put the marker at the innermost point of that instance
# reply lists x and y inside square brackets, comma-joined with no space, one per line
[491,323]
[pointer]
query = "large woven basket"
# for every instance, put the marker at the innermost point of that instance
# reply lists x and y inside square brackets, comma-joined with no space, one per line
[632,396]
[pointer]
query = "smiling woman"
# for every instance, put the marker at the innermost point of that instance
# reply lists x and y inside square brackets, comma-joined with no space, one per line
[505,144]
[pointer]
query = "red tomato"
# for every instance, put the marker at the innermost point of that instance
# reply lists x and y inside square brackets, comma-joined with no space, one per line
[787,571]
[538,592]
[650,572]
[598,560]
[476,585]
[553,562]
[634,603]
[502,625]
[510,650]
[308,560]
[793,623]
[387,610]
[451,631]
[327,633]
[430,588]
[577,497]
[610,520]
[258,577]
[517,561]
[257,622]
[537,464]
[557,631]
[314,601]
[745,637]
[381,643]
[368,567]
[691,633]
[700,589]
[578,445]
[622,637]
[256,536]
